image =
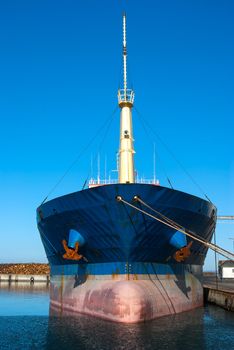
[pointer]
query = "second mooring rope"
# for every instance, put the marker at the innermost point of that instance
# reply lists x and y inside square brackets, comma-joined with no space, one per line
[170,223]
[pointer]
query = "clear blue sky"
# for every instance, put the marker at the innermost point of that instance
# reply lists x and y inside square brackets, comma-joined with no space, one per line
[60,64]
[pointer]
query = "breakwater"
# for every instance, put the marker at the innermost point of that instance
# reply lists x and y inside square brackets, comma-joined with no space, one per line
[24,273]
[25,269]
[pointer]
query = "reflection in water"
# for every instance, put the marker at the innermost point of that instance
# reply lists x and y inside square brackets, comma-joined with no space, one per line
[24,287]
[204,328]
[24,299]
[181,331]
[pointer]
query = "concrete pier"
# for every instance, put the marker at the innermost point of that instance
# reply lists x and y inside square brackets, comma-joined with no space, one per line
[221,298]
[219,292]
[14,278]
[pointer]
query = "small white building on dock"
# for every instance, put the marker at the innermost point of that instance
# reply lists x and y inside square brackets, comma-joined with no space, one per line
[226,268]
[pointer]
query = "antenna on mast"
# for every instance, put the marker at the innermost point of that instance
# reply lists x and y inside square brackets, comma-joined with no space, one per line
[105,167]
[125,94]
[98,168]
[124,54]
[91,163]
[154,164]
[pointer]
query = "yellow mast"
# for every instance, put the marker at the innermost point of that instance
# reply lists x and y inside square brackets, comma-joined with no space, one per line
[126,99]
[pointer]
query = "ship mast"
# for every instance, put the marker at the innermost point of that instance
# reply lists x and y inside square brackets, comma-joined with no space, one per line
[126,99]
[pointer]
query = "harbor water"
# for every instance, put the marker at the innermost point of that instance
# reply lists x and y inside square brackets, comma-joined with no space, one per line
[26,322]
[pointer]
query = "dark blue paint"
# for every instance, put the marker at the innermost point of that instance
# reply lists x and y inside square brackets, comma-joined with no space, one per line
[114,232]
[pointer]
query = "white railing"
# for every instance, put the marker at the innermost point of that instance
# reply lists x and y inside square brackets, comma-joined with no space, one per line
[96,182]
[99,182]
[126,96]
[147,181]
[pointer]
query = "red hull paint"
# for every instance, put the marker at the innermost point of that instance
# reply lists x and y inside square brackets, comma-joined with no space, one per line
[126,298]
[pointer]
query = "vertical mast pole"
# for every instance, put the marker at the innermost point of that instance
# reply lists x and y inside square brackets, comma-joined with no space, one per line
[124,56]
[126,99]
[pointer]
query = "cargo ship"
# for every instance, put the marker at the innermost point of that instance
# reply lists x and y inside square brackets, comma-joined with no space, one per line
[126,251]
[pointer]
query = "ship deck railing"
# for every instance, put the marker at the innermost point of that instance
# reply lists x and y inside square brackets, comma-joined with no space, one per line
[99,182]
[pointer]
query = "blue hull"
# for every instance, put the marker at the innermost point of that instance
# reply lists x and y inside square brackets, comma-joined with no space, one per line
[113,232]
[128,273]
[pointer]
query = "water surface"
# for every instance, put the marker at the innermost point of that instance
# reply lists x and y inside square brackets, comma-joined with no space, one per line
[25,324]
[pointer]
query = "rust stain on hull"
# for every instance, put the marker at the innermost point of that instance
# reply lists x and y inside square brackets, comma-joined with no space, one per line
[127,301]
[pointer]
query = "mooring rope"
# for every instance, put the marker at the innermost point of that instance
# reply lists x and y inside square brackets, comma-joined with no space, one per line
[166,218]
[177,227]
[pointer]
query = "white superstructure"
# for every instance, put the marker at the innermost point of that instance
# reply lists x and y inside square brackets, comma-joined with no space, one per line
[228,272]
[226,268]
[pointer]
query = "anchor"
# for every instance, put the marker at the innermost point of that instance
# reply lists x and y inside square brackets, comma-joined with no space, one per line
[71,254]
[183,253]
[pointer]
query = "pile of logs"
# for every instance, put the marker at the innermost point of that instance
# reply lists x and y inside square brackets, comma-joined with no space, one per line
[25,269]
